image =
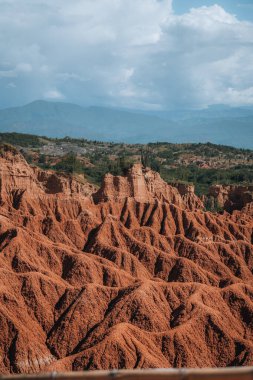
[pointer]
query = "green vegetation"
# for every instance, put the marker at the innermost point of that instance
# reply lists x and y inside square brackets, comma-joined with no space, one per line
[69,164]
[213,205]
[23,140]
[204,178]
[4,147]
[200,164]
[94,173]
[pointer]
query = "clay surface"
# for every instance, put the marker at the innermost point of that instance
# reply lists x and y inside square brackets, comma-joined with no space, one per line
[134,275]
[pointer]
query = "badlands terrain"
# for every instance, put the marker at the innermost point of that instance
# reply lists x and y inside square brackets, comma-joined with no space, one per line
[135,274]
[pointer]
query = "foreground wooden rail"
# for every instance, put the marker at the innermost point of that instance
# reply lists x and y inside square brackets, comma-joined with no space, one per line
[243,373]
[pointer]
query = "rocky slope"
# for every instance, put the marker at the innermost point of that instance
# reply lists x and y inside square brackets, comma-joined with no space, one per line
[231,197]
[134,275]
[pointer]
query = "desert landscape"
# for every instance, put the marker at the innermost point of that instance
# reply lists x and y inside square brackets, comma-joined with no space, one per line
[133,274]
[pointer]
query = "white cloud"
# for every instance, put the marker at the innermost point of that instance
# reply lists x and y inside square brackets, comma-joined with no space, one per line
[54,95]
[24,67]
[243,96]
[134,53]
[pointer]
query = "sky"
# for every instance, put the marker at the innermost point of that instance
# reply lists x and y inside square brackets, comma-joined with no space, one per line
[137,54]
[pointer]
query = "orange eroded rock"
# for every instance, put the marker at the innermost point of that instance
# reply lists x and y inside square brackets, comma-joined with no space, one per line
[134,275]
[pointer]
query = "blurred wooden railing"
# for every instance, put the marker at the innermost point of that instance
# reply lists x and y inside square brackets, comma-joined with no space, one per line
[242,373]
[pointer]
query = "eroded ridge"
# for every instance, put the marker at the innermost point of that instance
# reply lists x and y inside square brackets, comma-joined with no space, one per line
[134,275]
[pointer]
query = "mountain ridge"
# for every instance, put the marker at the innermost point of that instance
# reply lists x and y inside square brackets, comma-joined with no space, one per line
[59,119]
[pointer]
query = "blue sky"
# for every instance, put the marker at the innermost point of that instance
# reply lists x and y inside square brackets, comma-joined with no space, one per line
[242,9]
[140,54]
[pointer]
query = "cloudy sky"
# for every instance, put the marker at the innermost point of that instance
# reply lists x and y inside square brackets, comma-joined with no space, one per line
[144,54]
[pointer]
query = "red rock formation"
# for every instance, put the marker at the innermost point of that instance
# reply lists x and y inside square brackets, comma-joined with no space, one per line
[188,195]
[131,276]
[145,185]
[233,197]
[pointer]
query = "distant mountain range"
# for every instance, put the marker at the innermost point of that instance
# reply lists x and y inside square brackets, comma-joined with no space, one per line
[216,124]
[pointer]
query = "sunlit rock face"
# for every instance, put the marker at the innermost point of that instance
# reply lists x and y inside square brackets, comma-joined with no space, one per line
[134,275]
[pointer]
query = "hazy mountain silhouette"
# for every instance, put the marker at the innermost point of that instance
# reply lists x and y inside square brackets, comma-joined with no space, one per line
[217,124]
